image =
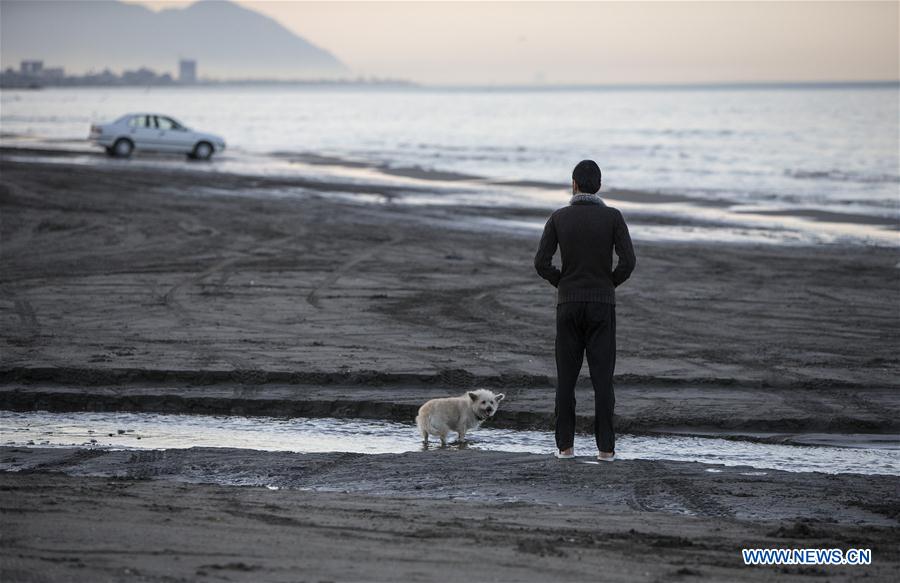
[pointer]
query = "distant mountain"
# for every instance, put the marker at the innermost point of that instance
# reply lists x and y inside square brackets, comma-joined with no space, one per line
[227,40]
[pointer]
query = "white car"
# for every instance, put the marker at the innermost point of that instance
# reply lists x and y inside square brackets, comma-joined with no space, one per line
[154,132]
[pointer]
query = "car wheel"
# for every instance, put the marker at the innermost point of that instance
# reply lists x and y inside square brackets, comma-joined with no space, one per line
[122,148]
[202,151]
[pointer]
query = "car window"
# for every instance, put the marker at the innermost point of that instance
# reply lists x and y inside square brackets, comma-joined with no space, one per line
[136,121]
[167,123]
[151,122]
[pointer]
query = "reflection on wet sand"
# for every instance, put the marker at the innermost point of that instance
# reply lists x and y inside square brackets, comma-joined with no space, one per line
[155,431]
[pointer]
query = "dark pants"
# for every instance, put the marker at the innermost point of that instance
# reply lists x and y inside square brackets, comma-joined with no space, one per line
[585,328]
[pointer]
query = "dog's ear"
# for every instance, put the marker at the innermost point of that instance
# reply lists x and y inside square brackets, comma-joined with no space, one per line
[500,397]
[473,396]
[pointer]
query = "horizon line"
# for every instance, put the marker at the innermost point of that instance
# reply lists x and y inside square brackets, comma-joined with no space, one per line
[656,85]
[413,85]
[363,80]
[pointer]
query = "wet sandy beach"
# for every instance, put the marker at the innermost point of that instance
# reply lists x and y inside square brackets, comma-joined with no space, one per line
[202,292]
[481,516]
[199,272]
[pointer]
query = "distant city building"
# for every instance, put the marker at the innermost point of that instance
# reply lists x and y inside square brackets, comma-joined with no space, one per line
[32,74]
[187,71]
[55,73]
[145,76]
[31,67]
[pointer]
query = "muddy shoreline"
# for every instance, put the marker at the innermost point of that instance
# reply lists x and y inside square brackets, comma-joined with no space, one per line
[686,488]
[537,518]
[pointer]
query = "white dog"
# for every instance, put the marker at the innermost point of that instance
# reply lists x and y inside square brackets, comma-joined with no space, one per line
[458,414]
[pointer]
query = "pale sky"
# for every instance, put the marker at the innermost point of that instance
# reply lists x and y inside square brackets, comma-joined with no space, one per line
[598,42]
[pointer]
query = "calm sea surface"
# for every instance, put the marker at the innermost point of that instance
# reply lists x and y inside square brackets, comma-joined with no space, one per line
[771,149]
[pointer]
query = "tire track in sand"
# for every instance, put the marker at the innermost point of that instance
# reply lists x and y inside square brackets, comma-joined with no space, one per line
[313,297]
[245,372]
[660,491]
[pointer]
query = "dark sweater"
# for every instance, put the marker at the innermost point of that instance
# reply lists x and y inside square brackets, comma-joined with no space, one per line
[586,231]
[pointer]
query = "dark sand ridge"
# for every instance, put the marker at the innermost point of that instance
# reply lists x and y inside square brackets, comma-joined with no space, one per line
[474,516]
[829,217]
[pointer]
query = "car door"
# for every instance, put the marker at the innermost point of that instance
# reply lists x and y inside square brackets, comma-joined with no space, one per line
[174,135]
[141,132]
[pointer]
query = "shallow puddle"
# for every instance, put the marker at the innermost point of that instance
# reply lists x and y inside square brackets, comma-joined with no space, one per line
[155,431]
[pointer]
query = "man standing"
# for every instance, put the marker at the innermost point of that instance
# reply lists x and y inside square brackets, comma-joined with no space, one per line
[587,231]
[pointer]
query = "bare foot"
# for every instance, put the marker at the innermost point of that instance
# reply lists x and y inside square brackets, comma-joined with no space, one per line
[606,456]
